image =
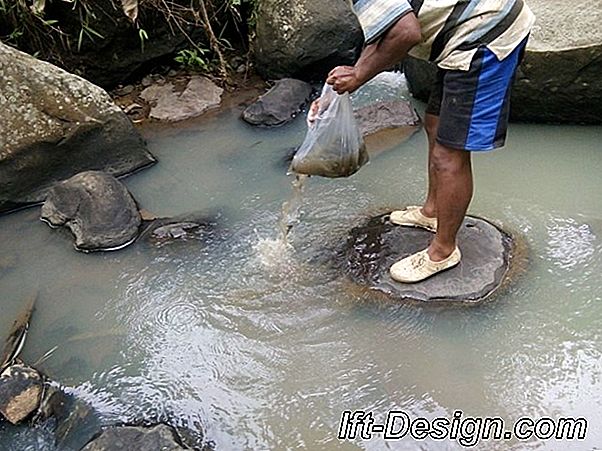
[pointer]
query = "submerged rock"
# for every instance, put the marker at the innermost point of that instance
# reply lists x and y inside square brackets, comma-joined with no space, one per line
[373,247]
[280,104]
[559,79]
[159,437]
[54,125]
[184,228]
[97,208]
[305,38]
[20,392]
[167,104]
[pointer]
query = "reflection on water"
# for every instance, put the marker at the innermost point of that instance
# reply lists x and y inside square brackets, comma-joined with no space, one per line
[264,345]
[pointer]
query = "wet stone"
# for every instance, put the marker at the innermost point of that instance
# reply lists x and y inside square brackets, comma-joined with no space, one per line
[372,248]
[97,208]
[183,228]
[76,422]
[160,437]
[20,392]
[280,104]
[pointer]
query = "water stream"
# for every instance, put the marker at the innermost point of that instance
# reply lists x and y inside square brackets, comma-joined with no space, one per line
[265,345]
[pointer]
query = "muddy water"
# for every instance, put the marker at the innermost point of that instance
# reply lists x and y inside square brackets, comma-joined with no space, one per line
[264,345]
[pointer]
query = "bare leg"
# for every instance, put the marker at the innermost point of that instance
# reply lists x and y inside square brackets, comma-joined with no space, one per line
[431,124]
[453,192]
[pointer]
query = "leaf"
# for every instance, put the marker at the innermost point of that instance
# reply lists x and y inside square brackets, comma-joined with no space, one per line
[130,8]
[38,7]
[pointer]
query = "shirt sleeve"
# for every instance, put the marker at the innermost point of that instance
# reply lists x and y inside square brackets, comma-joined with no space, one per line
[377,16]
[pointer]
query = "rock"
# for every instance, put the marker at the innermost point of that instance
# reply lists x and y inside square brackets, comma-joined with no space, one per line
[559,79]
[167,104]
[124,91]
[373,247]
[97,208]
[385,125]
[379,116]
[76,421]
[147,81]
[190,227]
[20,392]
[280,104]
[305,38]
[118,54]
[159,437]
[53,125]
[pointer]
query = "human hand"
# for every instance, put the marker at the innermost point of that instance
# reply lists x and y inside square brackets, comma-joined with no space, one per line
[313,112]
[344,79]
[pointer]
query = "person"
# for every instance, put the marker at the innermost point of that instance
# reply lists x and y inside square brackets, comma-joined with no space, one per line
[477,46]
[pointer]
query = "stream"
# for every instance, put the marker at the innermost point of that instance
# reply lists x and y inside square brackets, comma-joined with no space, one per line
[264,345]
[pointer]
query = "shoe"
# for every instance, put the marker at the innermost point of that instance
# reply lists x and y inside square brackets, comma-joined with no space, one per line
[419,266]
[413,217]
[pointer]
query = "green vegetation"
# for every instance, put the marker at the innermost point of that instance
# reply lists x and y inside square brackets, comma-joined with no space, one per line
[49,28]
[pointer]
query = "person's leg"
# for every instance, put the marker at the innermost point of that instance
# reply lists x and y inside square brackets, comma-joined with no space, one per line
[452,172]
[431,124]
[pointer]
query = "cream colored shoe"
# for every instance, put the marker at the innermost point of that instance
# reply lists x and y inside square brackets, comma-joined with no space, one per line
[419,266]
[413,217]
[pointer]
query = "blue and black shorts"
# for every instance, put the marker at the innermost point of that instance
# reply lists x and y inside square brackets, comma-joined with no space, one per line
[474,106]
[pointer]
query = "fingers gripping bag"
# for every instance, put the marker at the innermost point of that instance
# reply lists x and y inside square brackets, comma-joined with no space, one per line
[333,146]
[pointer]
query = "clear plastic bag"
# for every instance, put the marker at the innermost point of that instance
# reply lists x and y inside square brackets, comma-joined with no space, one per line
[333,146]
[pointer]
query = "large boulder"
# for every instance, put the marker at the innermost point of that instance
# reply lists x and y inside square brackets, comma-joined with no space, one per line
[97,208]
[305,38]
[53,125]
[559,80]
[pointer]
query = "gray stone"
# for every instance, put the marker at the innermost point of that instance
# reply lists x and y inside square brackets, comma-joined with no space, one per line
[167,104]
[559,79]
[280,104]
[379,116]
[160,437]
[20,392]
[184,228]
[76,421]
[373,247]
[97,208]
[53,125]
[305,38]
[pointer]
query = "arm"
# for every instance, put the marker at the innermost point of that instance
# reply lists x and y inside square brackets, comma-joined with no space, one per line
[377,57]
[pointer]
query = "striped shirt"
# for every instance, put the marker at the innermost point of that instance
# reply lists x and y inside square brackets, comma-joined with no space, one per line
[452,30]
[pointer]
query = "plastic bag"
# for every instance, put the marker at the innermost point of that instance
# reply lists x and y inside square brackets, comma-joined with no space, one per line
[333,146]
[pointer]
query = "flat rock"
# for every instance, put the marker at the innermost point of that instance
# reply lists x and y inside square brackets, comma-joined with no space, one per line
[379,116]
[374,246]
[97,208]
[159,437]
[54,124]
[280,104]
[20,392]
[167,104]
[559,79]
